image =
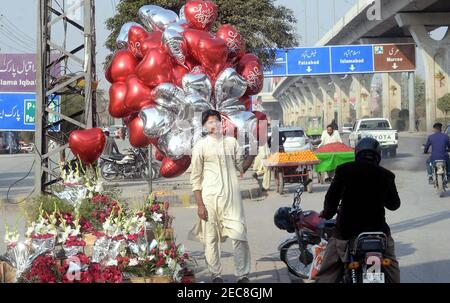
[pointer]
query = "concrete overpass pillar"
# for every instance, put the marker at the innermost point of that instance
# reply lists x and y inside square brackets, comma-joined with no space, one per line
[342,85]
[392,95]
[436,57]
[327,88]
[362,84]
[301,106]
[294,108]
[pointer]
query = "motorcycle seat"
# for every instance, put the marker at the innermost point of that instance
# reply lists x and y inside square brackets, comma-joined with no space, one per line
[114,157]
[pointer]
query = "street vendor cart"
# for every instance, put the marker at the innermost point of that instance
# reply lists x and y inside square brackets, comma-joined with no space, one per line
[292,172]
[331,156]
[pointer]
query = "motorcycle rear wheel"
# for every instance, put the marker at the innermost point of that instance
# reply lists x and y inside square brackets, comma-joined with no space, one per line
[290,255]
[108,171]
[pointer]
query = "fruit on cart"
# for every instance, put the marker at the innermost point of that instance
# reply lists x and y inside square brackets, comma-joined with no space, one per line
[334,148]
[297,157]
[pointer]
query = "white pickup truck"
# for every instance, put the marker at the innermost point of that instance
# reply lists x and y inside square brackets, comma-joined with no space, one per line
[379,129]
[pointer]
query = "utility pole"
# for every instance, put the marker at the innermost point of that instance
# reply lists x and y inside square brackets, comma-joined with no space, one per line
[71,85]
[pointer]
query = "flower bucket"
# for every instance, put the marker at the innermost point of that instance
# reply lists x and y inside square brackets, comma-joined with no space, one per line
[7,273]
[90,241]
[149,233]
[168,233]
[158,279]
[138,280]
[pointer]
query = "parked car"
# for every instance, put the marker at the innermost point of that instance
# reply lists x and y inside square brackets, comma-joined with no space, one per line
[9,143]
[347,128]
[296,139]
[379,129]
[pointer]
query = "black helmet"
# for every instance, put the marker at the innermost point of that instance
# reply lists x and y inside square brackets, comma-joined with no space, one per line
[282,219]
[368,148]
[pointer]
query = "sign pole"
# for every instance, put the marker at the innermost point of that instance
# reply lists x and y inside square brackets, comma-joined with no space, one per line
[150,171]
[411,99]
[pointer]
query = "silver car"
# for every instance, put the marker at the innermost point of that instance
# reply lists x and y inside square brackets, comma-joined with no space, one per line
[295,139]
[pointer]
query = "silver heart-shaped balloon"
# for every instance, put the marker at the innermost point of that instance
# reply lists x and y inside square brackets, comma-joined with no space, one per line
[243,120]
[182,16]
[229,85]
[197,102]
[177,26]
[169,96]
[157,18]
[231,105]
[157,121]
[176,143]
[175,45]
[122,38]
[197,84]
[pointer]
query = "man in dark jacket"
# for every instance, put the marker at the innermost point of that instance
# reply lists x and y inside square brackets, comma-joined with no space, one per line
[440,145]
[359,193]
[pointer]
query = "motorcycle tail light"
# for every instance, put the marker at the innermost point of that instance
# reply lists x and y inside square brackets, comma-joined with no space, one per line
[387,262]
[353,265]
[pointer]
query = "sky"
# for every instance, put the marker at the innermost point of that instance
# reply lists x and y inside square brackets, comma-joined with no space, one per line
[18,30]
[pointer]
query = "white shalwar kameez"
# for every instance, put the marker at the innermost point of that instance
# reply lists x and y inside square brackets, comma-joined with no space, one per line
[214,168]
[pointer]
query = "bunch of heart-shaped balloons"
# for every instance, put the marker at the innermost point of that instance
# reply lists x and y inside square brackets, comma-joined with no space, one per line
[171,69]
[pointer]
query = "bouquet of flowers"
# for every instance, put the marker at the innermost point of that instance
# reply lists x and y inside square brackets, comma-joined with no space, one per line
[168,259]
[94,212]
[79,182]
[43,270]
[157,213]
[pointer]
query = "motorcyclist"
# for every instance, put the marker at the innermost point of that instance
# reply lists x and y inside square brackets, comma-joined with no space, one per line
[361,190]
[440,145]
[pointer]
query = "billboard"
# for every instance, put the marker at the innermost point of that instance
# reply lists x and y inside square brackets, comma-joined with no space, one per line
[18,92]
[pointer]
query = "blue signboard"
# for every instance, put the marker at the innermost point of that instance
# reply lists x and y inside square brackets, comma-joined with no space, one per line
[18,111]
[348,59]
[308,61]
[280,66]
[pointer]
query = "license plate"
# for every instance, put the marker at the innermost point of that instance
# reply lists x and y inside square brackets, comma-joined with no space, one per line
[372,277]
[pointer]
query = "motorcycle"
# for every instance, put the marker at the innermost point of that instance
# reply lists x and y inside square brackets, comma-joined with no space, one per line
[303,252]
[439,169]
[131,165]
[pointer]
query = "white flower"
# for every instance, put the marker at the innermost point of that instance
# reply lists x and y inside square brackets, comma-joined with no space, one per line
[181,249]
[112,263]
[160,271]
[154,244]
[11,237]
[157,217]
[133,262]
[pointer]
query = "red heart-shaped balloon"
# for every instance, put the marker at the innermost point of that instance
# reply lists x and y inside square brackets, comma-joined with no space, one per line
[117,94]
[136,133]
[248,58]
[127,120]
[156,68]
[178,74]
[209,51]
[87,144]
[174,168]
[252,71]
[138,94]
[153,40]
[234,40]
[159,155]
[122,65]
[246,100]
[228,127]
[154,140]
[199,14]
[136,36]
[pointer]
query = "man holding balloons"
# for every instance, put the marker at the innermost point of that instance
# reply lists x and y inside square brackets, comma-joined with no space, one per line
[216,160]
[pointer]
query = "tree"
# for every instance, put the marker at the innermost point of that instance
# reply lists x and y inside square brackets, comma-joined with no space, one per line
[262,23]
[419,95]
[444,104]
